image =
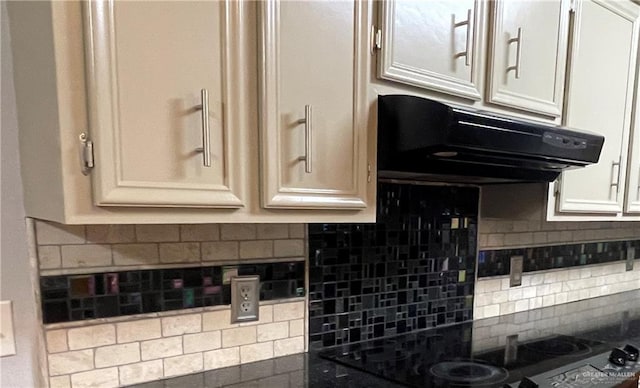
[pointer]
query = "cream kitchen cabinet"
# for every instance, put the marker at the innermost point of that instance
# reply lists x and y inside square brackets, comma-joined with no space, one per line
[131,76]
[528,51]
[313,117]
[600,98]
[161,102]
[435,45]
[440,46]
[632,192]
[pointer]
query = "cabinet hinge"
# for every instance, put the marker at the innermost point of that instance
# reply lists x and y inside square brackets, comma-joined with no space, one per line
[368,172]
[377,38]
[86,154]
[556,188]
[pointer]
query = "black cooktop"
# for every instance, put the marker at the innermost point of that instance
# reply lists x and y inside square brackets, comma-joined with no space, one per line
[497,352]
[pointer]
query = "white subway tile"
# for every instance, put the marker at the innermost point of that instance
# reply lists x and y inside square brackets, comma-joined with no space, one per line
[297,230]
[91,336]
[238,232]
[522,305]
[157,233]
[60,382]
[535,303]
[57,341]
[109,234]
[507,308]
[50,233]
[256,249]
[49,256]
[217,320]
[288,248]
[488,285]
[138,330]
[181,324]
[160,348]
[256,352]
[70,362]
[296,327]
[221,358]
[483,299]
[117,354]
[288,311]
[548,300]
[182,365]
[515,294]
[272,231]
[288,346]
[135,254]
[74,256]
[222,250]
[238,336]
[201,342]
[273,331]
[528,292]
[98,378]
[561,297]
[537,279]
[491,311]
[200,232]
[188,252]
[141,372]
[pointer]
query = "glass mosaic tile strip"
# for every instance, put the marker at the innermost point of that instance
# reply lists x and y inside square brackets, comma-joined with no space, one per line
[413,269]
[99,295]
[497,262]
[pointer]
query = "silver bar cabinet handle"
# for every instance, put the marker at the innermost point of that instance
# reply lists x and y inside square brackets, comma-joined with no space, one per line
[615,164]
[307,121]
[465,53]
[518,41]
[206,130]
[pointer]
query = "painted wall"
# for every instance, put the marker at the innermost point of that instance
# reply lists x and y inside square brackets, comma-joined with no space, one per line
[22,369]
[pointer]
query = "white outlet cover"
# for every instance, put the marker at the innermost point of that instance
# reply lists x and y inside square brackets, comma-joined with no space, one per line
[7,338]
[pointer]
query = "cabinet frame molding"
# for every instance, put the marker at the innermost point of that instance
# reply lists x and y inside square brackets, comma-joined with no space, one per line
[390,69]
[109,186]
[274,194]
[498,94]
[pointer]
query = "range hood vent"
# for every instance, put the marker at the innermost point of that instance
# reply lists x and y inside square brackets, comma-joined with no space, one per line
[421,139]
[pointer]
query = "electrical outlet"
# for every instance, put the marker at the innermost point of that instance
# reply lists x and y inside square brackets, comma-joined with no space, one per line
[245,298]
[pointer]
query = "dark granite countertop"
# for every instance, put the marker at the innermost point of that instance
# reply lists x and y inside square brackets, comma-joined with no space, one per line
[586,318]
[296,371]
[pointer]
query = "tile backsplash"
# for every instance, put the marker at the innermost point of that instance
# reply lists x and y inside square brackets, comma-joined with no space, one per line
[163,260]
[99,295]
[497,262]
[411,270]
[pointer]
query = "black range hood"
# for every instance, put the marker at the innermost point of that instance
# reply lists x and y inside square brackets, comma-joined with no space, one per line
[421,139]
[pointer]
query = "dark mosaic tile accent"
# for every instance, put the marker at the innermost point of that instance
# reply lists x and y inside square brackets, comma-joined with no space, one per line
[99,295]
[413,269]
[497,262]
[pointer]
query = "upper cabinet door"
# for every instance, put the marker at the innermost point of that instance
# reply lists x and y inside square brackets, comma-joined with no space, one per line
[528,55]
[163,102]
[313,119]
[600,99]
[433,44]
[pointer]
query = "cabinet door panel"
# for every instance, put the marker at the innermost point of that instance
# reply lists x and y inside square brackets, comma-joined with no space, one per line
[528,72]
[632,197]
[147,64]
[433,44]
[311,57]
[599,99]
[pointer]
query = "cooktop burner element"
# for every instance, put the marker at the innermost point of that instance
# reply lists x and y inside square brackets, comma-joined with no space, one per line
[560,346]
[468,372]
